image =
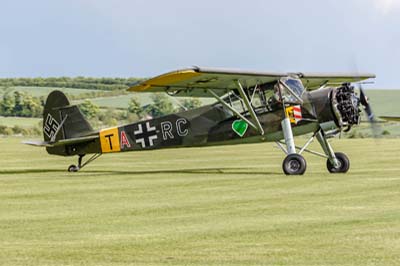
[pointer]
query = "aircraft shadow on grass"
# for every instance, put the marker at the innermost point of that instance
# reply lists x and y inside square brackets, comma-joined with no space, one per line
[217,171]
[29,171]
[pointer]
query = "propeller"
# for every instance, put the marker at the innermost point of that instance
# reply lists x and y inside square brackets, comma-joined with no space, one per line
[364,101]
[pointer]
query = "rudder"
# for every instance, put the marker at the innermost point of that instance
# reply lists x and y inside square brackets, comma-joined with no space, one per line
[62,121]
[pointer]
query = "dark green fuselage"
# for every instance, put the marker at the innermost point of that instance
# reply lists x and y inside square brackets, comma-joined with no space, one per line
[208,125]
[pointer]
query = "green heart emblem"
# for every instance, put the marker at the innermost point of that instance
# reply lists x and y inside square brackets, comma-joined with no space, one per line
[240,127]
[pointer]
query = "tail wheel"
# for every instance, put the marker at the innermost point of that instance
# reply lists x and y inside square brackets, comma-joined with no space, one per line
[73,168]
[294,164]
[344,164]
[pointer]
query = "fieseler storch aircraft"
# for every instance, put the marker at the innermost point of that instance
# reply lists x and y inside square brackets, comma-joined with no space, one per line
[250,107]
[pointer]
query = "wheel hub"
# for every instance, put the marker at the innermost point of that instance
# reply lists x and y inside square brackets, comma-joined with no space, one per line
[294,165]
[339,164]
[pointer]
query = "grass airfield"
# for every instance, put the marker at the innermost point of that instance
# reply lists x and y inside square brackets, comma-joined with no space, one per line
[204,206]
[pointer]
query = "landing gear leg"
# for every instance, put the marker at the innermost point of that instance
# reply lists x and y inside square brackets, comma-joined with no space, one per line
[294,164]
[74,168]
[337,162]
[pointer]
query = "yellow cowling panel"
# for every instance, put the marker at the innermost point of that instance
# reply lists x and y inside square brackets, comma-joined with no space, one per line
[168,79]
[109,140]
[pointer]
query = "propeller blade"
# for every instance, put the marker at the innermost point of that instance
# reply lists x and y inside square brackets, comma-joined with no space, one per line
[375,127]
[367,107]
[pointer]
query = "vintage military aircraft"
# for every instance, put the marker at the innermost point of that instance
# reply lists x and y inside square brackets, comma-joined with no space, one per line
[250,107]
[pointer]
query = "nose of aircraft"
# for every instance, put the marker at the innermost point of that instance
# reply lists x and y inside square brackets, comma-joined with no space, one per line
[322,105]
[340,105]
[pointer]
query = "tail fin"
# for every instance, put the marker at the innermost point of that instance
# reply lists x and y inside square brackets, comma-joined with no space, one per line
[62,121]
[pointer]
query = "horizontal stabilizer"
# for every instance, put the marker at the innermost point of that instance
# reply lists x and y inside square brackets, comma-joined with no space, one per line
[391,118]
[37,143]
[61,142]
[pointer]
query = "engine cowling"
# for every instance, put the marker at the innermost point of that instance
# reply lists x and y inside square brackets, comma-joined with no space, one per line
[346,106]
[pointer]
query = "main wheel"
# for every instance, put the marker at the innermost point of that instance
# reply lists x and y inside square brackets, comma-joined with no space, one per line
[294,164]
[73,168]
[344,164]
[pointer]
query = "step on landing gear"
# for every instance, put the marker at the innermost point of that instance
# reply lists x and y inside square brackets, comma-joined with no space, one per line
[73,168]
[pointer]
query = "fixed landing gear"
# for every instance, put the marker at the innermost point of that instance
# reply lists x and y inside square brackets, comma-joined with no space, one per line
[337,162]
[73,168]
[294,164]
[343,164]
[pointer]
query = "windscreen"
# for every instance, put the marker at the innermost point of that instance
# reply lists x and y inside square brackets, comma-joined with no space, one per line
[295,85]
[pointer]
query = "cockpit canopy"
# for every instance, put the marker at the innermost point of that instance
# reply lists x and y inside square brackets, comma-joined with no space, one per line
[292,89]
[269,96]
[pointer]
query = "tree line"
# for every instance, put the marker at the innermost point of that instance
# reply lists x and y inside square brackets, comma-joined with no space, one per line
[21,104]
[75,82]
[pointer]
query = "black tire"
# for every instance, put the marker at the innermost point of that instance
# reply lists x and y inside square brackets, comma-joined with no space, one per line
[343,161]
[294,164]
[73,168]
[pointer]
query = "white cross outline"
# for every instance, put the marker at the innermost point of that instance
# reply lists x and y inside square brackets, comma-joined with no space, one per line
[140,131]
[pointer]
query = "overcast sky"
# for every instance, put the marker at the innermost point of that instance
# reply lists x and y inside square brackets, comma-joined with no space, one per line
[124,38]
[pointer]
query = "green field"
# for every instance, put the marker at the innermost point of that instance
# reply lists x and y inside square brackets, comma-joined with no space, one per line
[19,121]
[121,101]
[384,102]
[44,91]
[203,206]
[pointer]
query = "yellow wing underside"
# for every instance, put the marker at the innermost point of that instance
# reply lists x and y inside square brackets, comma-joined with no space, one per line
[197,81]
[166,80]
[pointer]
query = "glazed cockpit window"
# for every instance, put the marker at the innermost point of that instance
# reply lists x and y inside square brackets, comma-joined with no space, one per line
[295,85]
[291,90]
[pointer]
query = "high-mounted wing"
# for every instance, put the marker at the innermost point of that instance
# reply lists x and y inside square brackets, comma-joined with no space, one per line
[313,81]
[197,81]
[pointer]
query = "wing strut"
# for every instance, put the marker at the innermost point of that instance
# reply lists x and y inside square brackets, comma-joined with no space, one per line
[233,110]
[249,107]
[255,122]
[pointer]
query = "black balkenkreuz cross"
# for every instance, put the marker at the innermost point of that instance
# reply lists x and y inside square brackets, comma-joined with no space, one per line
[50,126]
[145,134]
